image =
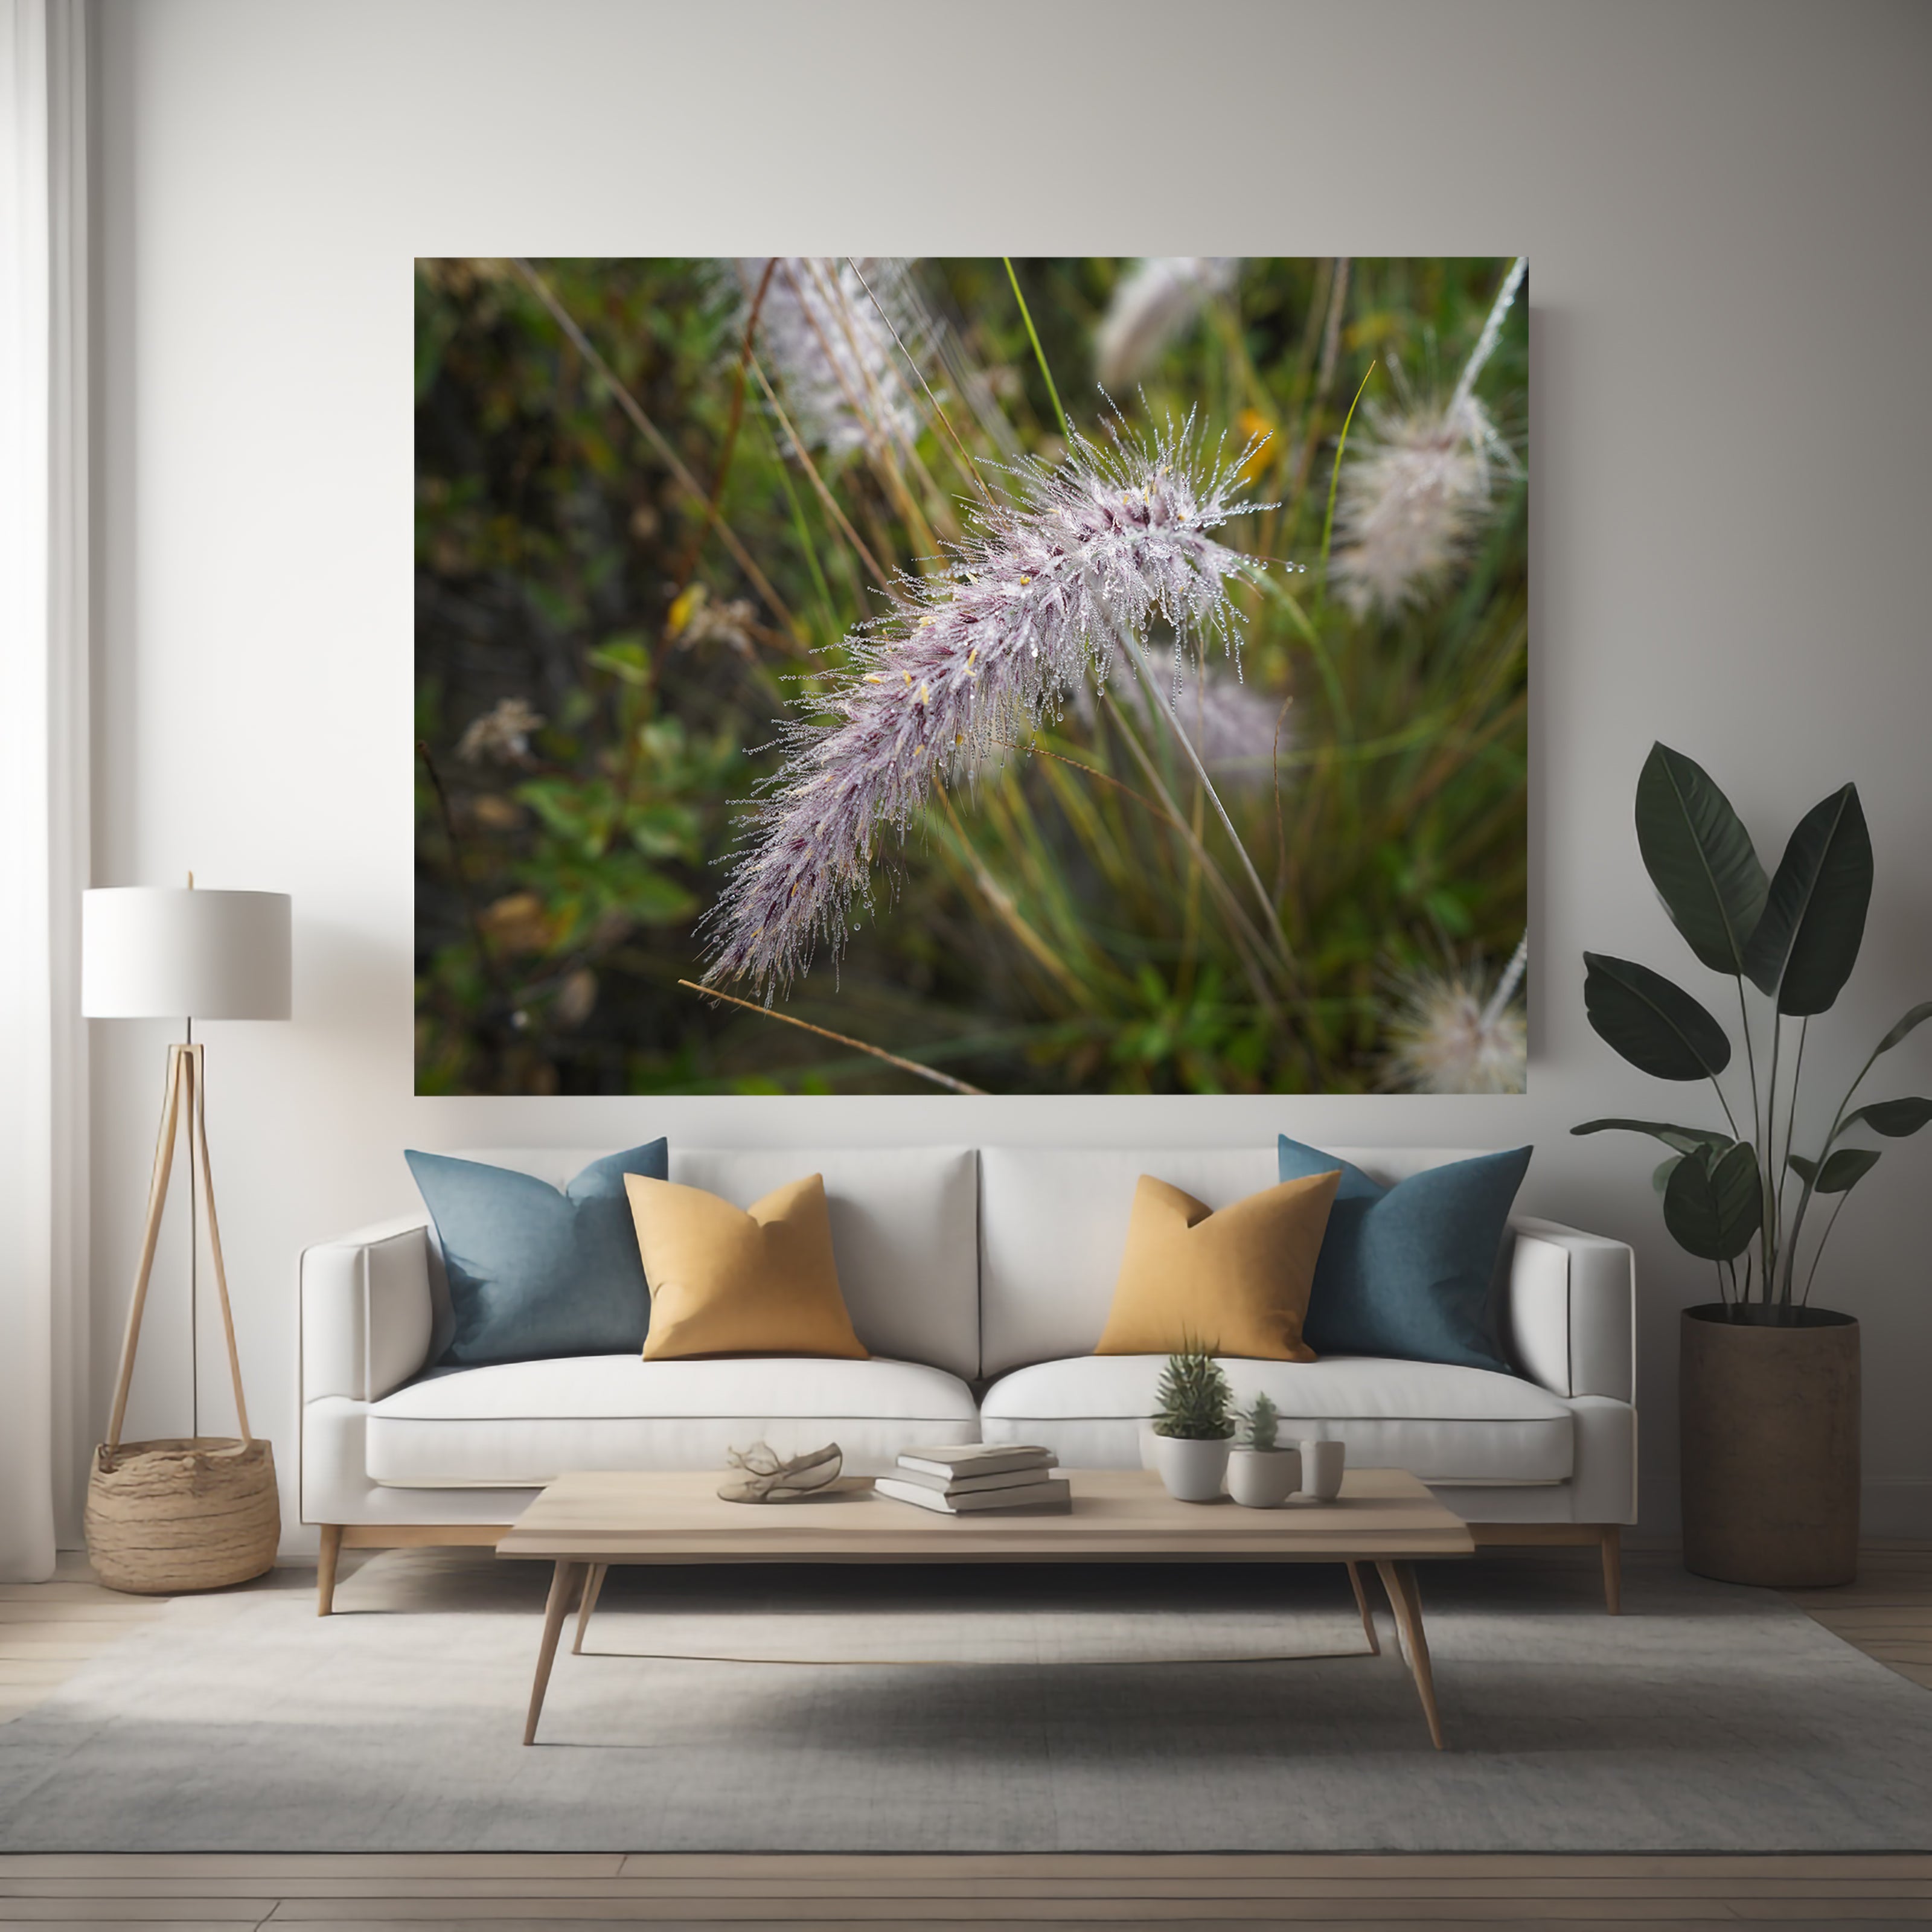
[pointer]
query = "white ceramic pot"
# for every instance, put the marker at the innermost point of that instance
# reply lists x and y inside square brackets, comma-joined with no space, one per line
[1264,1478]
[1192,1469]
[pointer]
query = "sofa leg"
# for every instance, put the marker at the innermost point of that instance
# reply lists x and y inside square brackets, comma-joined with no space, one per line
[324,1568]
[337,1536]
[1608,1537]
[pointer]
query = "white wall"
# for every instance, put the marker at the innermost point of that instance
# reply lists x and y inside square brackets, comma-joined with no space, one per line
[1724,207]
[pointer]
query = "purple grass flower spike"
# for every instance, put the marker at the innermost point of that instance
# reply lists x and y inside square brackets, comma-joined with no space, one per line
[1097,546]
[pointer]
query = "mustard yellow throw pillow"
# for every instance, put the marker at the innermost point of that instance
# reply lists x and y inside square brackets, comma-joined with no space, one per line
[1236,1282]
[725,1281]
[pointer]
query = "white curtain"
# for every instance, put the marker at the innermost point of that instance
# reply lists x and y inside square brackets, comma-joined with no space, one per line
[43,828]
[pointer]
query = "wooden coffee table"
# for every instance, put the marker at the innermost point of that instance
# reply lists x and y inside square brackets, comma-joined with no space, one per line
[584,1523]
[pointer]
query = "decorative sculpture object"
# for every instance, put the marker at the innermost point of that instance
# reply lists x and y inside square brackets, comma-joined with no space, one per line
[770,1479]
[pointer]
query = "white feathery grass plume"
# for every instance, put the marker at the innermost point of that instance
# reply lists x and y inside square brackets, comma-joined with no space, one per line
[1417,489]
[1151,305]
[1096,548]
[1450,1034]
[843,376]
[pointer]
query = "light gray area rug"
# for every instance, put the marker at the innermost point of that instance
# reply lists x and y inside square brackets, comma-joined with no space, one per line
[1031,1710]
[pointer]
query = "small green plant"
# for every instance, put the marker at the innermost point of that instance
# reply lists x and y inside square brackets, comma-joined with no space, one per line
[1196,1404]
[1258,1424]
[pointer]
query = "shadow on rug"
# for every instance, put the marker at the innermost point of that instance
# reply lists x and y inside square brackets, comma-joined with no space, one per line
[933,1710]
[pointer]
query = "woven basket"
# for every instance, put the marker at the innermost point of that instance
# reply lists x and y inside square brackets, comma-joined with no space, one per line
[194,1513]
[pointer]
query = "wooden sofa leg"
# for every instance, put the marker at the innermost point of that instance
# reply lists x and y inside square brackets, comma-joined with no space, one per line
[1608,1537]
[324,1568]
[337,1536]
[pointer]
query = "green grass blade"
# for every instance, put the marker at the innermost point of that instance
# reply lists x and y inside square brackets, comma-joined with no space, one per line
[1335,479]
[1039,354]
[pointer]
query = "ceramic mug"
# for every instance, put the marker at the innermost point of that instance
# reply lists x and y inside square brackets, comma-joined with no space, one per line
[1321,1465]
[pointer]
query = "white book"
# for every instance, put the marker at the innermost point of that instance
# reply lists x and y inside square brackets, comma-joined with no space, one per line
[977,1459]
[1054,1494]
[968,1485]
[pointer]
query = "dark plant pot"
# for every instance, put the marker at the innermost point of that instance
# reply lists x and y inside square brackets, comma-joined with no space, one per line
[1768,1407]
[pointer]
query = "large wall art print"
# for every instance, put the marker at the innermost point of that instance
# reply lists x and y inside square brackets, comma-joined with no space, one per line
[845,674]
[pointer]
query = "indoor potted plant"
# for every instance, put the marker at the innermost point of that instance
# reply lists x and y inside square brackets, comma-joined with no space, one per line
[1193,1427]
[1261,1473]
[1768,1383]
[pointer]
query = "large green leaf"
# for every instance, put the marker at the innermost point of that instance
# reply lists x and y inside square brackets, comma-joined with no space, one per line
[1655,1024]
[1807,941]
[1685,1140]
[1845,1169]
[1920,1013]
[1713,1207]
[1895,1119]
[1699,857]
[1840,1174]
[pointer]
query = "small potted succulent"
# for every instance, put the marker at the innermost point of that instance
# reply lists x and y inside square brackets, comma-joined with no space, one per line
[1261,1474]
[1193,1427]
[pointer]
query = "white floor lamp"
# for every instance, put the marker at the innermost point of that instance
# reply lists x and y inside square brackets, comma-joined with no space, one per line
[193,1512]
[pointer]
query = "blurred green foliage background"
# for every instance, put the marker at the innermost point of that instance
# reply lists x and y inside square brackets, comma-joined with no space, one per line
[597,673]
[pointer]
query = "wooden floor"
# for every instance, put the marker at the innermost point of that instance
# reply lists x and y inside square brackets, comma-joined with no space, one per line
[48,1630]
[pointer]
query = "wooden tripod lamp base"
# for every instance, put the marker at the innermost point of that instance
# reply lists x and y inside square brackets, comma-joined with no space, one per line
[189,1513]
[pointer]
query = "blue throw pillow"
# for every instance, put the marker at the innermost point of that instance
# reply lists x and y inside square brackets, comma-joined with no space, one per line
[535,1272]
[1407,1270]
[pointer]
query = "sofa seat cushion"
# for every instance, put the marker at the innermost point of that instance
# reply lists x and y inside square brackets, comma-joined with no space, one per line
[1443,1423]
[512,1424]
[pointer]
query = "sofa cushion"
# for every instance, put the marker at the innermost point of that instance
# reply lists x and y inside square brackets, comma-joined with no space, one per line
[1408,1270]
[1443,1423]
[1236,1281]
[726,1280]
[534,1267]
[1054,1225]
[517,1423]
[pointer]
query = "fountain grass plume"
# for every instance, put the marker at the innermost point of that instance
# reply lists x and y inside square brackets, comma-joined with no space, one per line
[1419,488]
[1450,1033]
[823,327]
[1096,548]
[1151,305]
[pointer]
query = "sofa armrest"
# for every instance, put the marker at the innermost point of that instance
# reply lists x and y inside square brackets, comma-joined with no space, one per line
[1571,1302]
[367,1311]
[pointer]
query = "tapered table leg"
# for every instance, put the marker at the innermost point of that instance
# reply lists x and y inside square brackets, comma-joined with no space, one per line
[592,1584]
[1362,1606]
[561,1582]
[1398,1580]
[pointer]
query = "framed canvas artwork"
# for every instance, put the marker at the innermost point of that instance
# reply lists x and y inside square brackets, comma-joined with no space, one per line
[841,674]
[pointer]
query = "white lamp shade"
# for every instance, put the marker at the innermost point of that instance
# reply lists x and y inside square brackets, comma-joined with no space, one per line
[161,952]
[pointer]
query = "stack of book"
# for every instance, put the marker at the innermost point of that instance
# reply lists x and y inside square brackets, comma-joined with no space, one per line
[976,1476]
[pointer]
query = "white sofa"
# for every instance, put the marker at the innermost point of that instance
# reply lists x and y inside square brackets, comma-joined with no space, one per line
[980,1280]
